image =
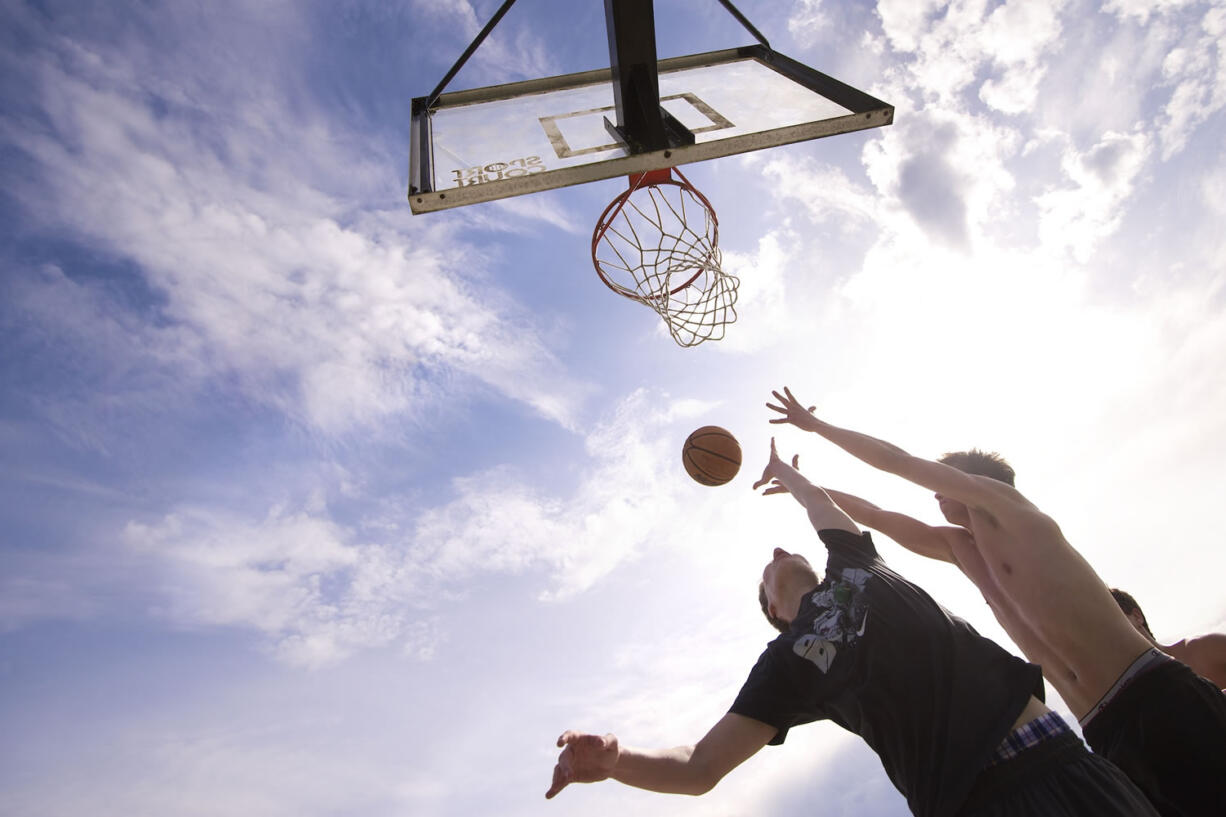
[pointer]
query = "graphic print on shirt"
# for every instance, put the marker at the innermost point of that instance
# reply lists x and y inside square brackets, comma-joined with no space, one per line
[842,617]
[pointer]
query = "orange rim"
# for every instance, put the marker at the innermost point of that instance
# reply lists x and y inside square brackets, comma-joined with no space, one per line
[640,181]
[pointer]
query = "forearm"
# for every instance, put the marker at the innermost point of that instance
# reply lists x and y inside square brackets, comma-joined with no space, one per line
[860,510]
[672,771]
[912,534]
[818,504]
[877,453]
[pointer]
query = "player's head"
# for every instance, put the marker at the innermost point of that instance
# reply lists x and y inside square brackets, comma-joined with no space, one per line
[985,464]
[784,575]
[1133,610]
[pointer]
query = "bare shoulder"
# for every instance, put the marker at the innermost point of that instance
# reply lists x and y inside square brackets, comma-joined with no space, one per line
[987,494]
[1206,655]
[1209,646]
[1003,492]
[1010,505]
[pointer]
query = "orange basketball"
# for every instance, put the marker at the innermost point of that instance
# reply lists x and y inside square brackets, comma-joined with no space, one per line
[711,455]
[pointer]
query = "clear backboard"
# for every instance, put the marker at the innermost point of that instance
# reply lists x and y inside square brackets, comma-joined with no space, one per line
[524,137]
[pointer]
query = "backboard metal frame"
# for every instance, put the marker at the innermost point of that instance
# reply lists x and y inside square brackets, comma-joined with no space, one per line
[427,195]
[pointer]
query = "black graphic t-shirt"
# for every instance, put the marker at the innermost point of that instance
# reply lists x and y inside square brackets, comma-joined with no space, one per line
[874,653]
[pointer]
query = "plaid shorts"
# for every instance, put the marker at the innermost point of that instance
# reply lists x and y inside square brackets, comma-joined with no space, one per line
[1028,735]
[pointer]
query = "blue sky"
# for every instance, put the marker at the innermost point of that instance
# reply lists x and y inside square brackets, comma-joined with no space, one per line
[315,507]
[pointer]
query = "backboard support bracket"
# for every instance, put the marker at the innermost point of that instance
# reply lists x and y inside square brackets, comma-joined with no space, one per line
[675,134]
[642,125]
[468,52]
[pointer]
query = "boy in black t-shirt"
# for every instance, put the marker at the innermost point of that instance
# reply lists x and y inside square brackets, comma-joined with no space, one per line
[1157,720]
[952,716]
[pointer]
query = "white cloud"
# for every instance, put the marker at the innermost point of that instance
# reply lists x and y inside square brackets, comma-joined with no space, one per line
[1017,34]
[1141,10]
[499,523]
[510,51]
[825,191]
[761,295]
[318,593]
[1213,190]
[905,22]
[807,22]
[953,44]
[1017,37]
[1079,216]
[244,216]
[1196,71]
[291,576]
[947,171]
[543,209]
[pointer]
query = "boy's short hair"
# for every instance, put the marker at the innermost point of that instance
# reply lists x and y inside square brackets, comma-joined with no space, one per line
[1128,604]
[776,622]
[984,463]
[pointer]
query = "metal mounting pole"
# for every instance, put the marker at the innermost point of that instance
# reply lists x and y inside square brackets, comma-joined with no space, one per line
[642,125]
[468,52]
[743,20]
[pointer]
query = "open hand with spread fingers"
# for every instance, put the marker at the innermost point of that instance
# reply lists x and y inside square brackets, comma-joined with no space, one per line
[584,759]
[793,411]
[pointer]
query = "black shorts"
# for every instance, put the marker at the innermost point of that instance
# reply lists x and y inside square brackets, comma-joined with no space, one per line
[1057,778]
[1167,731]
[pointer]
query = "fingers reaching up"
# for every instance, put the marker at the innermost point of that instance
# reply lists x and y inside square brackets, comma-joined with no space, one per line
[793,411]
[770,474]
[777,487]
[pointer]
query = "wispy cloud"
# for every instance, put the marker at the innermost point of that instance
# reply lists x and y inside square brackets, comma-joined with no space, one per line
[510,52]
[1142,10]
[951,46]
[244,214]
[24,600]
[1195,69]
[498,523]
[318,590]
[1101,181]
[807,21]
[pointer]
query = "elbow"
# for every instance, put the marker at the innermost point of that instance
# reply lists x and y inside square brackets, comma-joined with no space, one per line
[702,782]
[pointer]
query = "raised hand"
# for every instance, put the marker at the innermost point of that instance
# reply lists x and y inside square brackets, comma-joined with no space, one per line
[770,474]
[793,411]
[584,759]
[775,487]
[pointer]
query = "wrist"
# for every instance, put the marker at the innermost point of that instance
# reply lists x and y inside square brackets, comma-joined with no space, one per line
[618,757]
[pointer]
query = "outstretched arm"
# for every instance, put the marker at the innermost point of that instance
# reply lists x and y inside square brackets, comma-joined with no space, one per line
[681,770]
[823,513]
[911,533]
[934,476]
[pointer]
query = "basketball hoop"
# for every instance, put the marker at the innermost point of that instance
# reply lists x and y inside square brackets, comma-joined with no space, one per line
[658,243]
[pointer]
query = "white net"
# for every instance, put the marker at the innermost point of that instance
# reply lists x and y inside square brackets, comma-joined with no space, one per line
[658,244]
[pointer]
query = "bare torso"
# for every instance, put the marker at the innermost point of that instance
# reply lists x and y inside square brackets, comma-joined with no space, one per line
[1034,708]
[1048,599]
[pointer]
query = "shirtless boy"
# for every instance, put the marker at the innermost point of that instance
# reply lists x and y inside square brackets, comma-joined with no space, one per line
[1156,719]
[953,717]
